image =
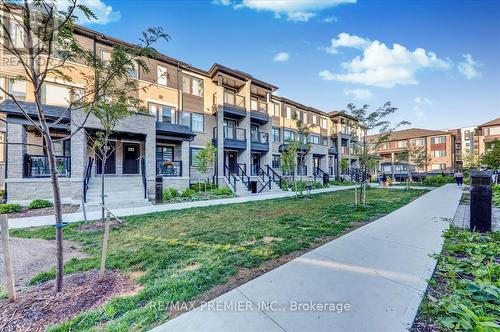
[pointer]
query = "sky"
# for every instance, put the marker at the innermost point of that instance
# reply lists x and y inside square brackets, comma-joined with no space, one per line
[438,62]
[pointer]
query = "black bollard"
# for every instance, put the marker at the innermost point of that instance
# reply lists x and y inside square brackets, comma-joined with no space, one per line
[480,201]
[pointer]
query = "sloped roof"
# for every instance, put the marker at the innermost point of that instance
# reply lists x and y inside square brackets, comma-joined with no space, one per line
[51,112]
[404,134]
[494,122]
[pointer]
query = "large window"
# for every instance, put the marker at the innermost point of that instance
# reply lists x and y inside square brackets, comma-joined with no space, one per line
[324,123]
[315,139]
[401,144]
[254,105]
[197,122]
[105,55]
[161,75]
[439,153]
[192,160]
[165,153]
[276,162]
[55,94]
[276,135]
[315,119]
[17,88]
[163,113]
[288,135]
[133,71]
[419,141]
[438,167]
[16,34]
[438,140]
[276,109]
[192,85]
[288,112]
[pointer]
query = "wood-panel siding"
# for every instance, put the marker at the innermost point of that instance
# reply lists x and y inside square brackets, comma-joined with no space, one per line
[192,103]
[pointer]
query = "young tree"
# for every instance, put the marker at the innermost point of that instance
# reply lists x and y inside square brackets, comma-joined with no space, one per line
[344,165]
[491,158]
[206,159]
[289,159]
[372,121]
[303,143]
[416,157]
[48,43]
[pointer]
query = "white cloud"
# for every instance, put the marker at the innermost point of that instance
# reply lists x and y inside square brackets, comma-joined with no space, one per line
[468,68]
[421,103]
[422,100]
[222,2]
[326,75]
[281,57]
[381,65]
[359,94]
[346,40]
[105,13]
[293,10]
[329,19]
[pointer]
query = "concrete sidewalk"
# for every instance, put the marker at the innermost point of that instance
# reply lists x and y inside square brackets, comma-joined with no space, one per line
[130,211]
[377,274]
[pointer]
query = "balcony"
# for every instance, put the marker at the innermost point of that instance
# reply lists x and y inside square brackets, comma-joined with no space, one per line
[234,138]
[258,112]
[37,166]
[344,150]
[332,150]
[233,105]
[169,168]
[260,141]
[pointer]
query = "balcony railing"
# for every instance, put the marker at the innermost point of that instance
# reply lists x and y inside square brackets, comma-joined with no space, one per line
[258,137]
[235,133]
[37,166]
[258,106]
[169,167]
[234,99]
[344,150]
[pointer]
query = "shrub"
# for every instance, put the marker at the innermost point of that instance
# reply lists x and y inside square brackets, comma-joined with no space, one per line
[496,195]
[284,185]
[188,193]
[222,192]
[299,186]
[318,185]
[341,183]
[200,186]
[170,193]
[10,208]
[438,180]
[39,203]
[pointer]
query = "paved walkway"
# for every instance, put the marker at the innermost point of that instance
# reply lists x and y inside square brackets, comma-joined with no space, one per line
[379,271]
[130,211]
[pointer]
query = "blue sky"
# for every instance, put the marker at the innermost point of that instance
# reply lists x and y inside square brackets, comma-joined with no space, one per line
[437,61]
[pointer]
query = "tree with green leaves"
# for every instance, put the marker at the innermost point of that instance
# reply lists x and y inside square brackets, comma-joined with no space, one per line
[344,165]
[415,157]
[205,159]
[376,120]
[491,158]
[289,158]
[303,142]
[49,47]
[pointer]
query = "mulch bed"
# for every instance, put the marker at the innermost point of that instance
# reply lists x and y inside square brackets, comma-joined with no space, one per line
[39,307]
[66,208]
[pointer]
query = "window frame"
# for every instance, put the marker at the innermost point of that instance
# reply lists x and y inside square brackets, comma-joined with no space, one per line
[191,80]
[273,130]
[192,156]
[162,77]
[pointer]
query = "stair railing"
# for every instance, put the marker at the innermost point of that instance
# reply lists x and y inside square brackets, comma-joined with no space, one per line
[265,178]
[243,175]
[275,176]
[86,178]
[143,174]
[230,177]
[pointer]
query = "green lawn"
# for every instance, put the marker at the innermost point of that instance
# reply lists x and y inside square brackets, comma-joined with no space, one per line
[464,293]
[184,253]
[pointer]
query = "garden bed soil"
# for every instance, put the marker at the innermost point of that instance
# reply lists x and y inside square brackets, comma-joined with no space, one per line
[39,307]
[32,256]
[66,208]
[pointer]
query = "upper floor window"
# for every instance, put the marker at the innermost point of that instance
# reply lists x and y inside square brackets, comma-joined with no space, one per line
[324,140]
[254,104]
[105,55]
[401,144]
[315,139]
[133,71]
[419,141]
[197,122]
[288,112]
[276,135]
[438,167]
[439,153]
[17,88]
[163,113]
[55,94]
[276,109]
[324,123]
[16,34]
[288,135]
[315,119]
[192,85]
[438,140]
[161,75]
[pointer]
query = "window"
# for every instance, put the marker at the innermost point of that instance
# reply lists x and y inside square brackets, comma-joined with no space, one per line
[193,154]
[192,85]
[2,148]
[288,112]
[161,75]
[133,71]
[18,89]
[324,140]
[17,34]
[315,139]
[438,140]
[419,141]
[288,135]
[164,153]
[276,108]
[315,119]
[197,122]
[62,148]
[276,135]
[276,162]
[163,113]
[324,123]
[253,104]
[438,167]
[401,144]
[439,153]
[105,55]
[55,94]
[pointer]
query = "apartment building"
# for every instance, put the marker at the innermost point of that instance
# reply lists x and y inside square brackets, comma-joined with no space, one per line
[438,146]
[188,107]
[487,133]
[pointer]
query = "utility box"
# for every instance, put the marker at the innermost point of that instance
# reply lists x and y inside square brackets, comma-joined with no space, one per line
[253,187]
[326,179]
[159,189]
[480,201]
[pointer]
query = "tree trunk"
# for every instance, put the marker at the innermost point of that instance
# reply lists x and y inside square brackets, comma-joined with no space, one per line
[104,154]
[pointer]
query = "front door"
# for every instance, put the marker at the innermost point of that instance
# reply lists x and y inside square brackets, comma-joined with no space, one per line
[110,166]
[255,163]
[316,164]
[231,162]
[130,158]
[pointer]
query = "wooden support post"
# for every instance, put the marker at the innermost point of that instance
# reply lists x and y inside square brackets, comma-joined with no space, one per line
[84,212]
[4,228]
[104,247]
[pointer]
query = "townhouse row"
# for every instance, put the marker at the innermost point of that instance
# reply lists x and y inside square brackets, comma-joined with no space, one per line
[188,107]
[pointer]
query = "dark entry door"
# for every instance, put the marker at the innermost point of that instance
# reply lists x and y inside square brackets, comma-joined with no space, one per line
[130,158]
[232,162]
[255,163]
[110,166]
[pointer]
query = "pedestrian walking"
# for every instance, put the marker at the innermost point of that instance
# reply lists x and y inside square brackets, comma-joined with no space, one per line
[459,178]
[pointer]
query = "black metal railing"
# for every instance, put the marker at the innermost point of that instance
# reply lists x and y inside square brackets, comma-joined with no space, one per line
[330,170]
[274,176]
[169,167]
[301,170]
[37,166]
[86,178]
[242,173]
[233,133]
[260,137]
[266,179]
[143,174]
[231,179]
[318,173]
